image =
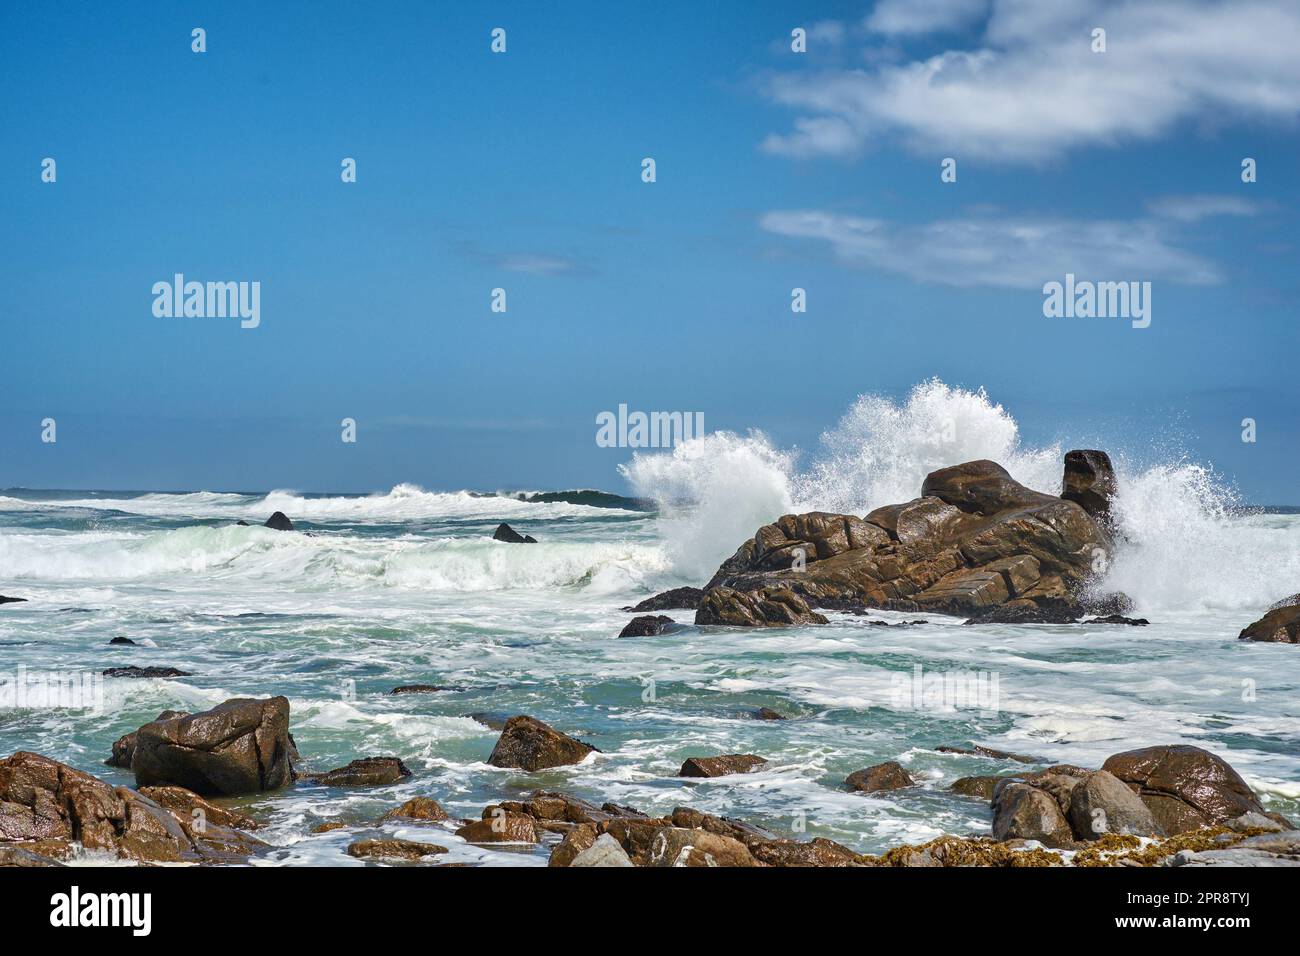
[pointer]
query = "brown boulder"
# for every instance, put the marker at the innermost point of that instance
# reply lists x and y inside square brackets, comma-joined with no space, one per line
[124,746]
[765,607]
[1089,481]
[240,746]
[818,852]
[500,826]
[721,765]
[884,776]
[1184,787]
[685,599]
[188,805]
[394,849]
[1280,626]
[528,744]
[1027,813]
[676,846]
[648,625]
[1101,804]
[366,772]
[418,808]
[581,837]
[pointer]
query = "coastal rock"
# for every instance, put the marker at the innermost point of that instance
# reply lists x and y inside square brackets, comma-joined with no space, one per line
[648,625]
[1101,804]
[279,522]
[1089,481]
[605,851]
[240,746]
[1280,626]
[394,849]
[1184,787]
[767,713]
[528,744]
[120,641]
[765,607]
[675,846]
[188,805]
[684,599]
[721,765]
[500,826]
[12,600]
[973,541]
[578,839]
[884,776]
[366,772]
[124,746]
[508,534]
[1024,611]
[489,719]
[1291,601]
[818,852]
[143,672]
[1265,849]
[418,689]
[978,751]
[1118,619]
[692,819]
[1027,813]
[424,809]
[17,856]
[981,787]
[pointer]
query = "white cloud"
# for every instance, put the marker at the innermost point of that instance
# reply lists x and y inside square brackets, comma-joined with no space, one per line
[1197,207]
[1030,88]
[901,17]
[992,249]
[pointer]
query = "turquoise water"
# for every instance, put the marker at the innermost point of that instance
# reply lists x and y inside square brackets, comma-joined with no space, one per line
[408,587]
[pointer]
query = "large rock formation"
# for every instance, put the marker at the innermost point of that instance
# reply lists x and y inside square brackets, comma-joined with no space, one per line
[976,539]
[1280,625]
[239,746]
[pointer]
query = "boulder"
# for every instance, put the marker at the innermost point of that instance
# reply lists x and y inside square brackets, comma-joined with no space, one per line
[528,744]
[122,641]
[605,851]
[124,746]
[1027,813]
[500,826]
[1101,804]
[883,776]
[721,765]
[685,599]
[1184,787]
[676,846]
[418,689]
[578,839]
[818,852]
[424,809]
[279,522]
[1118,619]
[366,772]
[765,607]
[1279,626]
[17,856]
[691,819]
[240,746]
[1089,481]
[508,534]
[394,849]
[188,805]
[648,625]
[143,672]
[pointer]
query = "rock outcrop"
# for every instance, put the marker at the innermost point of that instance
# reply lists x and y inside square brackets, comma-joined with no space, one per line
[145,672]
[528,744]
[1280,626]
[394,850]
[1184,787]
[279,522]
[721,765]
[648,625]
[676,599]
[423,809]
[975,540]
[508,534]
[884,776]
[240,746]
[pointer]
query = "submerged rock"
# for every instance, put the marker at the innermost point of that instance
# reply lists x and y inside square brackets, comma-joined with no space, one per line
[144,672]
[1280,626]
[683,599]
[279,522]
[122,640]
[508,534]
[12,600]
[649,625]
[394,849]
[366,772]
[883,776]
[418,689]
[1118,619]
[500,826]
[528,744]
[721,765]
[767,713]
[240,746]
[978,751]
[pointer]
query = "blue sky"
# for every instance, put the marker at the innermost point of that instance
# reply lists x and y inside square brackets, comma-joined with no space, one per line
[522,171]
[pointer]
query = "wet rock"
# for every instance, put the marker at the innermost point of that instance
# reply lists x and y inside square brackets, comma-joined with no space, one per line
[124,746]
[1268,849]
[767,713]
[424,809]
[605,851]
[490,719]
[1089,481]
[143,672]
[981,787]
[1027,813]
[188,805]
[721,765]
[1118,619]
[122,641]
[884,776]
[1023,612]
[17,856]
[1291,601]
[508,534]
[528,744]
[964,851]
[366,772]
[500,826]
[818,852]
[394,849]
[648,625]
[692,819]
[329,826]
[578,839]
[12,600]
[685,599]
[418,689]
[1184,787]
[279,522]
[1280,626]
[1255,821]
[765,607]
[1101,804]
[675,846]
[240,746]
[978,751]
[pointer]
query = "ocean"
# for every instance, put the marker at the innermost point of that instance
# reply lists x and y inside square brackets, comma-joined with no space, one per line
[407,586]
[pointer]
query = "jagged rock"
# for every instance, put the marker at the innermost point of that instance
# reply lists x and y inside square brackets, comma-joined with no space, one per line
[975,539]
[240,746]
[685,599]
[721,765]
[1184,787]
[366,772]
[1118,619]
[1089,481]
[394,849]
[884,776]
[605,851]
[1101,804]
[279,522]
[648,625]
[1027,813]
[528,744]
[142,672]
[12,600]
[418,689]
[425,809]
[1291,601]
[765,607]
[124,746]
[508,534]
[1280,626]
